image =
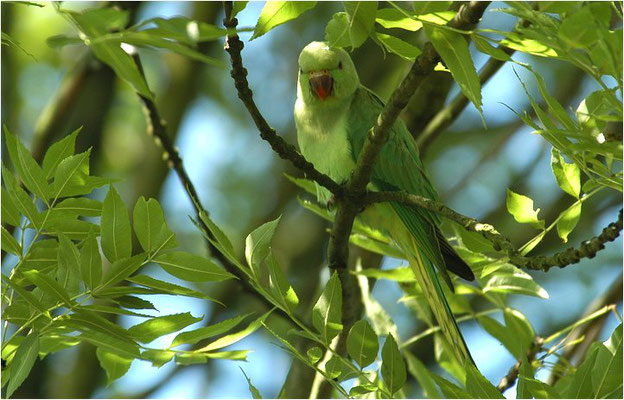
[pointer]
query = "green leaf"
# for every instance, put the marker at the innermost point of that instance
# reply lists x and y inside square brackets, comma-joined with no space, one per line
[151,228]
[158,357]
[280,287]
[58,152]
[190,267]
[9,244]
[453,49]
[68,272]
[539,389]
[450,390]
[74,229]
[581,29]
[22,201]
[238,7]
[569,219]
[10,213]
[116,237]
[258,245]
[91,262]
[607,372]
[27,296]
[254,391]
[167,287]
[236,337]
[393,18]
[121,269]
[568,175]
[49,286]
[276,13]
[513,280]
[422,375]
[580,381]
[362,343]
[361,16]
[135,303]
[194,336]
[80,206]
[327,312]
[485,47]
[99,308]
[427,7]
[477,385]
[393,366]
[337,30]
[376,246]
[156,327]
[314,354]
[115,365]
[71,178]
[110,344]
[58,41]
[521,207]
[23,361]
[31,173]
[398,46]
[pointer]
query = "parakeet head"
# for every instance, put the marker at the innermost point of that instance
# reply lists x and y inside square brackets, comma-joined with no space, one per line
[326,75]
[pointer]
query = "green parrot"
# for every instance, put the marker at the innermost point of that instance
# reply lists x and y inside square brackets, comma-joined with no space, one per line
[333,114]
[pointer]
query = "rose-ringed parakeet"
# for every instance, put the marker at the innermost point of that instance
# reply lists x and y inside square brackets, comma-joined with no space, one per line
[333,114]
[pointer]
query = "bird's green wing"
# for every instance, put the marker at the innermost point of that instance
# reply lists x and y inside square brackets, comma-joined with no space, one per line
[398,167]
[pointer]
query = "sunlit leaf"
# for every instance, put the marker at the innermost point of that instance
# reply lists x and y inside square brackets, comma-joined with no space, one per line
[115,365]
[393,18]
[199,334]
[255,393]
[116,235]
[327,312]
[258,244]
[80,206]
[236,337]
[156,327]
[568,175]
[168,287]
[521,207]
[337,30]
[280,287]
[399,47]
[361,16]
[49,286]
[191,267]
[121,269]
[58,152]
[276,13]
[151,228]
[362,344]
[569,218]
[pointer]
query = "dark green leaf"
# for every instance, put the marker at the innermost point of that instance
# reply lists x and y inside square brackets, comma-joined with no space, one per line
[74,229]
[58,41]
[10,213]
[450,390]
[121,269]
[49,286]
[9,244]
[477,385]
[539,389]
[453,48]
[31,173]
[362,343]
[191,267]
[258,245]
[43,255]
[521,207]
[135,303]
[580,382]
[111,344]
[156,327]
[568,221]
[114,364]
[327,312]
[58,152]
[422,375]
[167,287]
[376,246]
[150,227]
[276,13]
[85,321]
[24,359]
[116,238]
[111,310]
[68,272]
[22,201]
[393,18]
[279,286]
[91,262]
[393,366]
[27,296]
[236,337]
[398,46]
[199,334]
[361,16]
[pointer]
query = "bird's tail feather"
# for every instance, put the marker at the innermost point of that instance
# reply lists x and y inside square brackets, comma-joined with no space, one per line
[432,289]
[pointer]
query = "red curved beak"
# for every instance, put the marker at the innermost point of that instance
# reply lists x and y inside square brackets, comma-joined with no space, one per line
[321,84]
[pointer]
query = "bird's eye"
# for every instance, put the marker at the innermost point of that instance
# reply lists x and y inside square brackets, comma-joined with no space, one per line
[340,65]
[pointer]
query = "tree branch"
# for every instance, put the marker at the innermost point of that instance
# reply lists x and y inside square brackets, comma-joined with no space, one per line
[587,249]
[511,377]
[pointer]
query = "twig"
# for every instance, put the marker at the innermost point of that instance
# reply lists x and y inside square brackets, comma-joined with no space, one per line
[587,249]
[511,377]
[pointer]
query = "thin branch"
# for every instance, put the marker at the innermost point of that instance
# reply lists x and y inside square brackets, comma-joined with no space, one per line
[587,249]
[510,379]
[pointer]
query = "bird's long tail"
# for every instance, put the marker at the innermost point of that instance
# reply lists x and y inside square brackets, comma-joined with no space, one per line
[432,289]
